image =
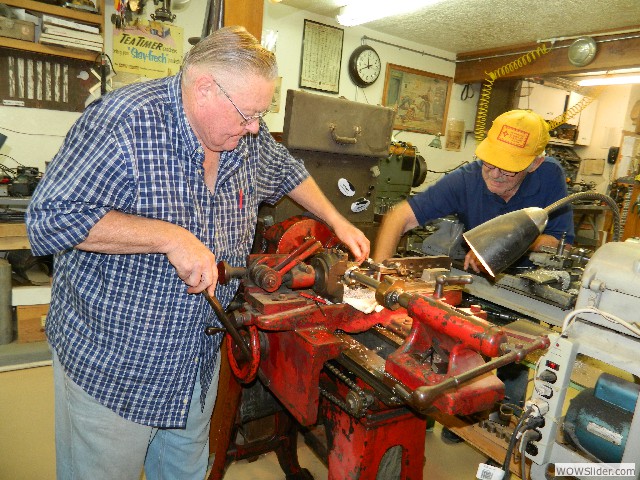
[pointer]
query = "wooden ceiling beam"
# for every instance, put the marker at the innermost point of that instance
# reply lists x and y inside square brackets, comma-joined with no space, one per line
[613,52]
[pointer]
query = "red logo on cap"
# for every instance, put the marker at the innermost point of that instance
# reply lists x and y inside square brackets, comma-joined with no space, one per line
[513,136]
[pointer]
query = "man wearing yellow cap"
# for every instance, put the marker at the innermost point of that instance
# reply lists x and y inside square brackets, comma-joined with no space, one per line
[510,172]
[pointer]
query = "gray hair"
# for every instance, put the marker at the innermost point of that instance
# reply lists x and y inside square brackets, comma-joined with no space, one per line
[231,50]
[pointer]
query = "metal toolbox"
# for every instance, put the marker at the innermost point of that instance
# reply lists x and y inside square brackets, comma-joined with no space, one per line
[336,125]
[341,143]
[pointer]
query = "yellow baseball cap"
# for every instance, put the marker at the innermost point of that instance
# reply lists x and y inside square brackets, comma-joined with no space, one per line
[514,140]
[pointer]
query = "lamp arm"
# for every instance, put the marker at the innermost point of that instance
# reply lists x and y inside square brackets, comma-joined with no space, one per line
[591,196]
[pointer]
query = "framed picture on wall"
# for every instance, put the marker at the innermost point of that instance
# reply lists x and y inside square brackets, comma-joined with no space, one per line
[420,98]
[321,57]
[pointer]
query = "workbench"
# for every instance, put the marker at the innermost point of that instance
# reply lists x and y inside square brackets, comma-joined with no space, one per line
[13,236]
[30,302]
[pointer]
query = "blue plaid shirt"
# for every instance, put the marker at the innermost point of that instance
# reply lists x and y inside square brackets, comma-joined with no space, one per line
[123,326]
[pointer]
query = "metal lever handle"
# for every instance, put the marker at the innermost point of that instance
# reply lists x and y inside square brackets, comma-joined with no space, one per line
[442,280]
[226,272]
[422,397]
[228,324]
[345,140]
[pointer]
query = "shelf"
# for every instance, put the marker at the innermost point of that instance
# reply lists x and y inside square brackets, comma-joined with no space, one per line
[18,356]
[70,13]
[558,141]
[67,13]
[48,49]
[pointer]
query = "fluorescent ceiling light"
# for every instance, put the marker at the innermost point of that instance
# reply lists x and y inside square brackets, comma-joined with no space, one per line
[363,11]
[612,80]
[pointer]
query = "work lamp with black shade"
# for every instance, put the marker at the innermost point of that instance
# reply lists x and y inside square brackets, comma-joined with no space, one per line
[504,239]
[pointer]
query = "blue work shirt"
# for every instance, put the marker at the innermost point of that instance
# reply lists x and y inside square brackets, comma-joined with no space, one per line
[464,193]
[123,326]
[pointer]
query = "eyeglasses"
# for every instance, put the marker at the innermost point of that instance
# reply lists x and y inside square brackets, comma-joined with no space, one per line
[506,173]
[246,119]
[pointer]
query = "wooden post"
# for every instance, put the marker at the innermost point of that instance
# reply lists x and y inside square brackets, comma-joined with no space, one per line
[247,13]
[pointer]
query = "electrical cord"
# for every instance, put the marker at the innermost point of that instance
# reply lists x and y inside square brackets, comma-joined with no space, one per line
[512,442]
[98,61]
[32,134]
[526,438]
[450,170]
[9,156]
[529,421]
[570,318]
[529,431]
[523,445]
[569,430]
[513,405]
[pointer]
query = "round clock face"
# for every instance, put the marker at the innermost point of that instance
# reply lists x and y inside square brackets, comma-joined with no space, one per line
[364,66]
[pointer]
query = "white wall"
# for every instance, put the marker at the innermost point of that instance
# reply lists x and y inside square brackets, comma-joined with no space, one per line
[612,117]
[33,135]
[289,24]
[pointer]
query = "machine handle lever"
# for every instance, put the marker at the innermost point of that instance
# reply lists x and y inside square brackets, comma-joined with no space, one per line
[228,324]
[226,272]
[422,397]
[304,251]
[442,280]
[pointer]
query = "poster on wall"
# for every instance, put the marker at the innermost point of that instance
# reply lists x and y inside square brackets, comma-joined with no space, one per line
[148,49]
[421,99]
[321,57]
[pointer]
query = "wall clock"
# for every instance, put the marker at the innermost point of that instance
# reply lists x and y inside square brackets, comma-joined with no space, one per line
[364,66]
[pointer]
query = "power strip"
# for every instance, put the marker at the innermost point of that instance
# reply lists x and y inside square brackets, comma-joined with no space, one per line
[551,381]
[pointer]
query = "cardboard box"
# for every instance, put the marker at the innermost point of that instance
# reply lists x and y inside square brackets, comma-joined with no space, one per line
[30,320]
[18,29]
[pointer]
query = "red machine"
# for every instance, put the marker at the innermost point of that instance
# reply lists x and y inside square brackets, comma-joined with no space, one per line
[368,378]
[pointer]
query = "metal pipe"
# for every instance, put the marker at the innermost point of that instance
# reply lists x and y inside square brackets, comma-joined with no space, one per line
[574,37]
[6,328]
[553,47]
[362,278]
[498,55]
[408,49]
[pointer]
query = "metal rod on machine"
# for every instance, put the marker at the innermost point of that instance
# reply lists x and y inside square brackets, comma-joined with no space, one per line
[308,248]
[391,294]
[476,333]
[422,397]
[402,298]
[363,279]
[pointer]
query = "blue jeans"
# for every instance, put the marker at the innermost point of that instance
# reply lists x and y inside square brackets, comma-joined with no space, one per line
[94,443]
